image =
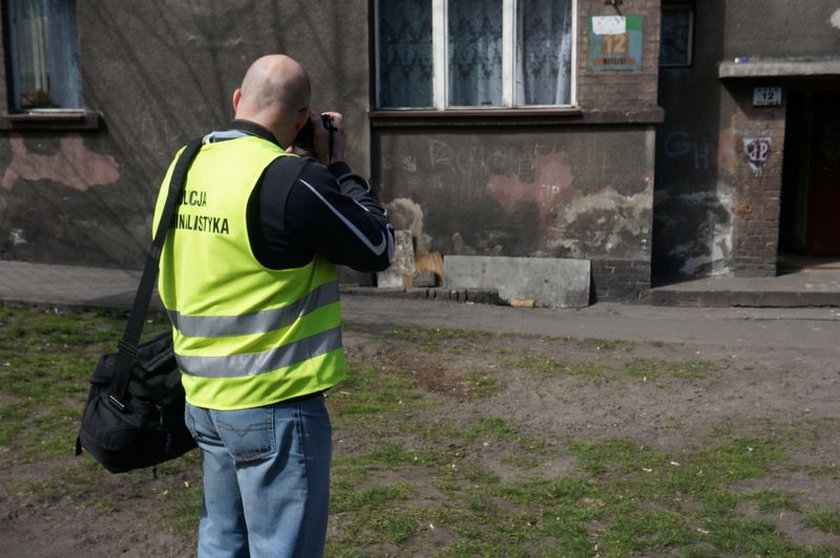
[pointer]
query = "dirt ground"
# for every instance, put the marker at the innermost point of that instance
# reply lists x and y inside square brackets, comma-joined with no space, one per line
[771,390]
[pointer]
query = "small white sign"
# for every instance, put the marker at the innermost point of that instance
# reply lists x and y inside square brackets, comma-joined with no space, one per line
[609,25]
[767,96]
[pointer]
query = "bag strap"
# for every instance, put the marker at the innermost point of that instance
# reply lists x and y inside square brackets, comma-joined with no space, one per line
[127,347]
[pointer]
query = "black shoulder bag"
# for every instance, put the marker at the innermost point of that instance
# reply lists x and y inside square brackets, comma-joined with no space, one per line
[134,415]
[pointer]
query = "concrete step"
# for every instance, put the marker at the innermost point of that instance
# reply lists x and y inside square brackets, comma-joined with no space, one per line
[804,288]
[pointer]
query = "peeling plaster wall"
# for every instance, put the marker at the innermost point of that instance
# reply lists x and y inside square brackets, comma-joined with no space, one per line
[582,192]
[715,213]
[692,230]
[162,72]
[539,184]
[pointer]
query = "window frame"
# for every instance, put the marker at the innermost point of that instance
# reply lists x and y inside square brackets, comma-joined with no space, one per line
[11,119]
[690,8]
[440,63]
[13,70]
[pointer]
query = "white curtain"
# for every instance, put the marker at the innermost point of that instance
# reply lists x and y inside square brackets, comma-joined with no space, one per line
[544,53]
[475,52]
[475,49]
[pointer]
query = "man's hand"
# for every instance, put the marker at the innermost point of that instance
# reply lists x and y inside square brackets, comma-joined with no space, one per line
[326,150]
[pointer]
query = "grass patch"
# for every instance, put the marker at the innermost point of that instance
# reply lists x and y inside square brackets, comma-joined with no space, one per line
[374,389]
[552,367]
[482,385]
[432,338]
[824,520]
[769,501]
[830,471]
[46,359]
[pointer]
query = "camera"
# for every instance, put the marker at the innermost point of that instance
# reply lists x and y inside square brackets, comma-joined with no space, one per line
[306,136]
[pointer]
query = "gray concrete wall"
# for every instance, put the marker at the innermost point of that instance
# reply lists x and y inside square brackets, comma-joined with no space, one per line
[162,72]
[781,28]
[571,192]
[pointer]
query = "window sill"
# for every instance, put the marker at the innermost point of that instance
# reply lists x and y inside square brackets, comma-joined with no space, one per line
[472,117]
[52,120]
[514,117]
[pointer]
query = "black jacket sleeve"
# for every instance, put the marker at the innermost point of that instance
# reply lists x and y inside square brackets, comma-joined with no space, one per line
[306,208]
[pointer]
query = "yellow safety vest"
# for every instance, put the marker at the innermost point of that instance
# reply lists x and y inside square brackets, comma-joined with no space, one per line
[245,335]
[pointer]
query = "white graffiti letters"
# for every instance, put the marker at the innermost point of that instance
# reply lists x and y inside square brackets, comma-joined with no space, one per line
[757,151]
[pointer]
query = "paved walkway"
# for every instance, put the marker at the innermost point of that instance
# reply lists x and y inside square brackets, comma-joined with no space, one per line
[754,328]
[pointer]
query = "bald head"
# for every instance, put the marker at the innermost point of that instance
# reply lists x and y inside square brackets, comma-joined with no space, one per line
[273,92]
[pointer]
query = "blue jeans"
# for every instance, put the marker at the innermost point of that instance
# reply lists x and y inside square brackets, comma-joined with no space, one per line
[266,479]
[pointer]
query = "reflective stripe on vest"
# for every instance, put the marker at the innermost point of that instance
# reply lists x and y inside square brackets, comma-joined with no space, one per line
[255,322]
[260,363]
[245,336]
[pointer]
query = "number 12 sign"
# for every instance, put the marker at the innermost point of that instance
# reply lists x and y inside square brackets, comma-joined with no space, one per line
[767,96]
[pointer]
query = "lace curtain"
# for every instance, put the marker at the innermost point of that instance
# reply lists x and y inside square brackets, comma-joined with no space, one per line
[544,61]
[405,53]
[46,51]
[474,41]
[475,52]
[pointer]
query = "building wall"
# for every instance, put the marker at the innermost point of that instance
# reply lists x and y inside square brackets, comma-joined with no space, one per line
[157,73]
[576,185]
[782,28]
[573,193]
[692,210]
[160,73]
[714,212]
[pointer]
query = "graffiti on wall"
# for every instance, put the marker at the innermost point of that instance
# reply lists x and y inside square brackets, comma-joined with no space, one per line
[543,196]
[682,144]
[757,151]
[474,162]
[694,233]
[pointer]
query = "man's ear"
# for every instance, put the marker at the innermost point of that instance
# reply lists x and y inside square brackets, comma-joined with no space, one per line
[237,96]
[301,119]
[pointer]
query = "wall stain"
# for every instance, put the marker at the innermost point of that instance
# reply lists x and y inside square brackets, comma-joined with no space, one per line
[74,165]
[605,221]
[551,189]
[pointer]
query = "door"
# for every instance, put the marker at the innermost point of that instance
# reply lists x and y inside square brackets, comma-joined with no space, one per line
[823,219]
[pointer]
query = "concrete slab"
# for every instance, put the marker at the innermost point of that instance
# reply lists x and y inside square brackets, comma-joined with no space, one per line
[764,68]
[551,282]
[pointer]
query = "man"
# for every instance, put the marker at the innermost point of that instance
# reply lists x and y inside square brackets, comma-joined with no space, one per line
[247,276]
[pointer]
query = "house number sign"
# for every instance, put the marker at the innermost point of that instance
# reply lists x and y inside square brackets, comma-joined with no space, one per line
[767,96]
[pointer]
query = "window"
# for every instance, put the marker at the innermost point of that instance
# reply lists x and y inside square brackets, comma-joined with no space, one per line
[43,53]
[474,53]
[677,35]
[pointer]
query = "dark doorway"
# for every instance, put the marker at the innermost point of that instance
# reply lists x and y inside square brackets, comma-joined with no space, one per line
[810,210]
